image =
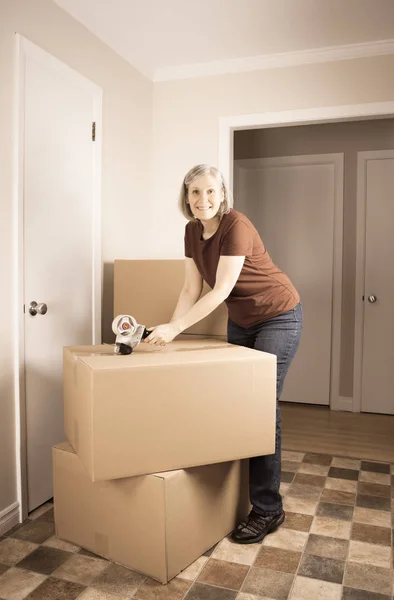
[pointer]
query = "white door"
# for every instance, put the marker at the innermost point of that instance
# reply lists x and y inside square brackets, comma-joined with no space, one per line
[61,243]
[296,205]
[375,270]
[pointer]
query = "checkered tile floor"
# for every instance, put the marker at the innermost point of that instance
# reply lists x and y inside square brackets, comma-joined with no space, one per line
[336,544]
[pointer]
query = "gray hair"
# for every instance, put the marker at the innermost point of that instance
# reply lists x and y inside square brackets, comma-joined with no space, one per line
[194,173]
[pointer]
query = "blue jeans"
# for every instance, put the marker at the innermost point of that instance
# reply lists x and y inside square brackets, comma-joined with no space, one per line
[279,336]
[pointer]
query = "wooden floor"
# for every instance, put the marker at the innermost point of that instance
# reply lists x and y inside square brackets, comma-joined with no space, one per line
[318,429]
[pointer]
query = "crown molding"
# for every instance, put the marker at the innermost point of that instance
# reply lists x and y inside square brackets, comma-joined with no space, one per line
[276,61]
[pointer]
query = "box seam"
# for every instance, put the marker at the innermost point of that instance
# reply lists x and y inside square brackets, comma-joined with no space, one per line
[165,530]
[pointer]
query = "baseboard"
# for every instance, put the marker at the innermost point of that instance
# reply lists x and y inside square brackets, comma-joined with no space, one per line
[9,518]
[343,403]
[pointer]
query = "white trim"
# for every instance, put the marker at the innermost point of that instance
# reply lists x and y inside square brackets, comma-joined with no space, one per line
[96,238]
[285,118]
[362,159]
[360,279]
[344,403]
[328,114]
[18,291]
[24,49]
[276,61]
[337,160]
[9,518]
[337,287]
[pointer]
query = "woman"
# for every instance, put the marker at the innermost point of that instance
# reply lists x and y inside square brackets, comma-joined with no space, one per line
[223,248]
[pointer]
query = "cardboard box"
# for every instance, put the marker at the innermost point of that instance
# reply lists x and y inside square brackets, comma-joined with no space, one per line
[156,524]
[193,402]
[149,290]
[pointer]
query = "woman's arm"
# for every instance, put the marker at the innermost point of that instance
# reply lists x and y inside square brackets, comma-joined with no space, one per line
[229,268]
[191,290]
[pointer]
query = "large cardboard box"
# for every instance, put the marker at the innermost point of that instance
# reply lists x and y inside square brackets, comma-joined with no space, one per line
[193,402]
[156,524]
[149,290]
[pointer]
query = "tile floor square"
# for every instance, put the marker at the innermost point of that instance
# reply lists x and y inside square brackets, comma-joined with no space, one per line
[223,574]
[278,559]
[368,578]
[370,554]
[318,459]
[55,589]
[17,584]
[44,560]
[267,583]
[315,589]
[321,567]
[342,485]
[329,547]
[375,467]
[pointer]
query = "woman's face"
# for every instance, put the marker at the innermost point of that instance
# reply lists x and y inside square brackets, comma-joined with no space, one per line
[205,196]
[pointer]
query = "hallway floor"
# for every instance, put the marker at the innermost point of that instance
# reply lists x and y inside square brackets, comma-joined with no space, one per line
[357,435]
[336,543]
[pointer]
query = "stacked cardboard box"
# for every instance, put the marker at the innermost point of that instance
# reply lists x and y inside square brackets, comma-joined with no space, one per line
[152,474]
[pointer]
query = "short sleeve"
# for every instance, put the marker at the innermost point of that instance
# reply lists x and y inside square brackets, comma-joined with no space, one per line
[237,241]
[188,253]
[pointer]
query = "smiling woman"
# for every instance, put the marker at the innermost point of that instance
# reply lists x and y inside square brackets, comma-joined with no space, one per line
[223,248]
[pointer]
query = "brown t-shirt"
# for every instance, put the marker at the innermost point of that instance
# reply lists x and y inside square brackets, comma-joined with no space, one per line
[262,291]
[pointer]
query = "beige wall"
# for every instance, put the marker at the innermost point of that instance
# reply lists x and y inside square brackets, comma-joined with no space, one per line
[127,120]
[348,138]
[186,117]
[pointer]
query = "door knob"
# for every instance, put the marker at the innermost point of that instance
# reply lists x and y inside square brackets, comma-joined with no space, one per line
[372,299]
[35,308]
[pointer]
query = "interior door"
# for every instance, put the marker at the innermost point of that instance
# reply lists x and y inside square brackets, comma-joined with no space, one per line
[376,200]
[294,203]
[60,248]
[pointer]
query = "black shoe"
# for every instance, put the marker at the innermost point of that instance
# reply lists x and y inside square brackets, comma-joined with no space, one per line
[256,527]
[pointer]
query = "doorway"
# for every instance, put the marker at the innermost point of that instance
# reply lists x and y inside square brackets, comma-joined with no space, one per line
[58,275]
[343,397]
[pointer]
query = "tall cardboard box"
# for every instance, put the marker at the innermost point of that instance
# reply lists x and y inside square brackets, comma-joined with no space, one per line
[193,402]
[149,290]
[155,524]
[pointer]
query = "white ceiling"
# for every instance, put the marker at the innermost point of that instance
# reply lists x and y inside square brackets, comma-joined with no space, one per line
[162,38]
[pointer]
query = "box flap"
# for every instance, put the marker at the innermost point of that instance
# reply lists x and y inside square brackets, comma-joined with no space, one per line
[68,449]
[64,447]
[167,474]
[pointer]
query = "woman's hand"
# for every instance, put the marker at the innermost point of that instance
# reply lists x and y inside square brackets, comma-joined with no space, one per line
[162,334]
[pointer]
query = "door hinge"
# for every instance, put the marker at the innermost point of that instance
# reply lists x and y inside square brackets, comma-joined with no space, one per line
[94,131]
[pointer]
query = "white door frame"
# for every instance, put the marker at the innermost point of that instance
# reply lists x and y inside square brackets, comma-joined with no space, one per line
[25,48]
[362,160]
[307,116]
